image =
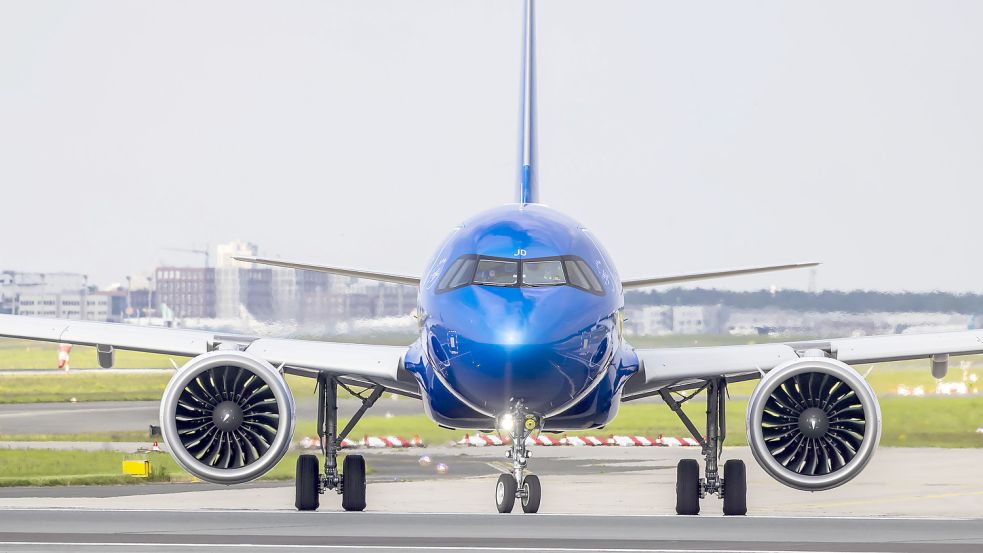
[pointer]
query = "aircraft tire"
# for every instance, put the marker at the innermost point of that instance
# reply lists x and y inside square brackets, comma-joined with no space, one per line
[306,483]
[735,488]
[353,483]
[688,487]
[505,493]
[533,493]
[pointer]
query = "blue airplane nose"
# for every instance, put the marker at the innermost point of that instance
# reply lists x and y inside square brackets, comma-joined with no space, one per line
[524,345]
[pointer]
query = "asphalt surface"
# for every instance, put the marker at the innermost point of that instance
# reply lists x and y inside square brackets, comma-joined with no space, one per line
[116,530]
[599,499]
[385,468]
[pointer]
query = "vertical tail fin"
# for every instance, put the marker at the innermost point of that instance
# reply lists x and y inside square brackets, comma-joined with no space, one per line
[528,179]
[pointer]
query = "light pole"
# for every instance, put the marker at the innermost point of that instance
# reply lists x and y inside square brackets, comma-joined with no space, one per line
[150,295]
[129,307]
[85,292]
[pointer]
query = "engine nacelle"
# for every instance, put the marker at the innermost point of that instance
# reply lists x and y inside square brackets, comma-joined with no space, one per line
[227,417]
[813,423]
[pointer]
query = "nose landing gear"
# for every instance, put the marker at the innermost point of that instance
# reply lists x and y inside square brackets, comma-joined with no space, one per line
[518,485]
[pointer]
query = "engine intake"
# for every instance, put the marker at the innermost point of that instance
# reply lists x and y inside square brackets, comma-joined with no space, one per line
[227,417]
[813,423]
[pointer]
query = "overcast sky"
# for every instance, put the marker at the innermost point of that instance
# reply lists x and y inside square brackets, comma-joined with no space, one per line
[688,136]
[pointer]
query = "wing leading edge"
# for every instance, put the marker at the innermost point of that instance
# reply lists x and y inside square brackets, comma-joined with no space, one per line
[358,273]
[675,279]
[379,364]
[680,366]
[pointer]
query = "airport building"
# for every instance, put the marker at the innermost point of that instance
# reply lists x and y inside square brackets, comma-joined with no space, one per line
[62,295]
[65,305]
[189,292]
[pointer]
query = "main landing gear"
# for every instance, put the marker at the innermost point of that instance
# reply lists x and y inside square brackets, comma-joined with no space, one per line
[350,481]
[518,485]
[690,488]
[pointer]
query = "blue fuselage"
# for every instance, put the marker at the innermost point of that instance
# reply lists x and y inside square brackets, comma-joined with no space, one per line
[556,349]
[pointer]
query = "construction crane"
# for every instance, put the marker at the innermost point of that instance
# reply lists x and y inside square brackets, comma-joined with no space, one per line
[203,252]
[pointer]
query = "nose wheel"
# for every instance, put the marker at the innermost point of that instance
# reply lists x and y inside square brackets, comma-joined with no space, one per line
[518,485]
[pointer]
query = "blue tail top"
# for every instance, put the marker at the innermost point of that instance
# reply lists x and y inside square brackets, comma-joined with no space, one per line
[528,179]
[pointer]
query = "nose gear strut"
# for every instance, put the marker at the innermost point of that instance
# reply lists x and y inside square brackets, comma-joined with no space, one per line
[520,424]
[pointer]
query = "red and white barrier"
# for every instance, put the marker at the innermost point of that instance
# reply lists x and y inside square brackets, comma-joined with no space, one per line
[631,441]
[677,442]
[367,441]
[542,439]
[482,440]
[389,442]
[581,441]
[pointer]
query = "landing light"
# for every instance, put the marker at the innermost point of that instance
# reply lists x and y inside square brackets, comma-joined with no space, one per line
[506,422]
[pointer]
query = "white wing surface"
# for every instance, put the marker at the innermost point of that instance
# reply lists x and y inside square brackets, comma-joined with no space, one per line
[681,366]
[372,363]
[690,277]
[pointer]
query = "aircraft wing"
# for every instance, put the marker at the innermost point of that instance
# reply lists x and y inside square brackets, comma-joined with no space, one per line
[690,277]
[360,362]
[357,273]
[680,367]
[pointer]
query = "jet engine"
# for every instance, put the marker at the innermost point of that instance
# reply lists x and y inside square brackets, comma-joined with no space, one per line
[813,423]
[227,416]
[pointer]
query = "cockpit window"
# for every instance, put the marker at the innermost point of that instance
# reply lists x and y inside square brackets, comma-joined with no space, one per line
[497,273]
[459,273]
[581,276]
[543,273]
[550,271]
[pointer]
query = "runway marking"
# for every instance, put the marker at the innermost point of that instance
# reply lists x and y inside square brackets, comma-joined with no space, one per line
[497,465]
[886,500]
[412,547]
[294,512]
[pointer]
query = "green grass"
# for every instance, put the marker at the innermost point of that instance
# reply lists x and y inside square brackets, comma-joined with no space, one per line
[94,386]
[35,388]
[28,354]
[48,467]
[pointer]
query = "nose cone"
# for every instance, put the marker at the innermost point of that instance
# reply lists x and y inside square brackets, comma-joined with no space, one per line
[538,345]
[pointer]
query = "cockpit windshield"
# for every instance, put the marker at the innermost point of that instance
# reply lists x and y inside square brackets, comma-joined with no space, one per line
[491,271]
[543,273]
[495,272]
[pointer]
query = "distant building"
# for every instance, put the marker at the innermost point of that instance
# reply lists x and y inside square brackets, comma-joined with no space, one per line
[64,305]
[699,319]
[187,291]
[651,320]
[62,295]
[657,320]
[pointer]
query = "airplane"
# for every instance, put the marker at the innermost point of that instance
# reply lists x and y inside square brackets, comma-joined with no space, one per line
[520,315]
